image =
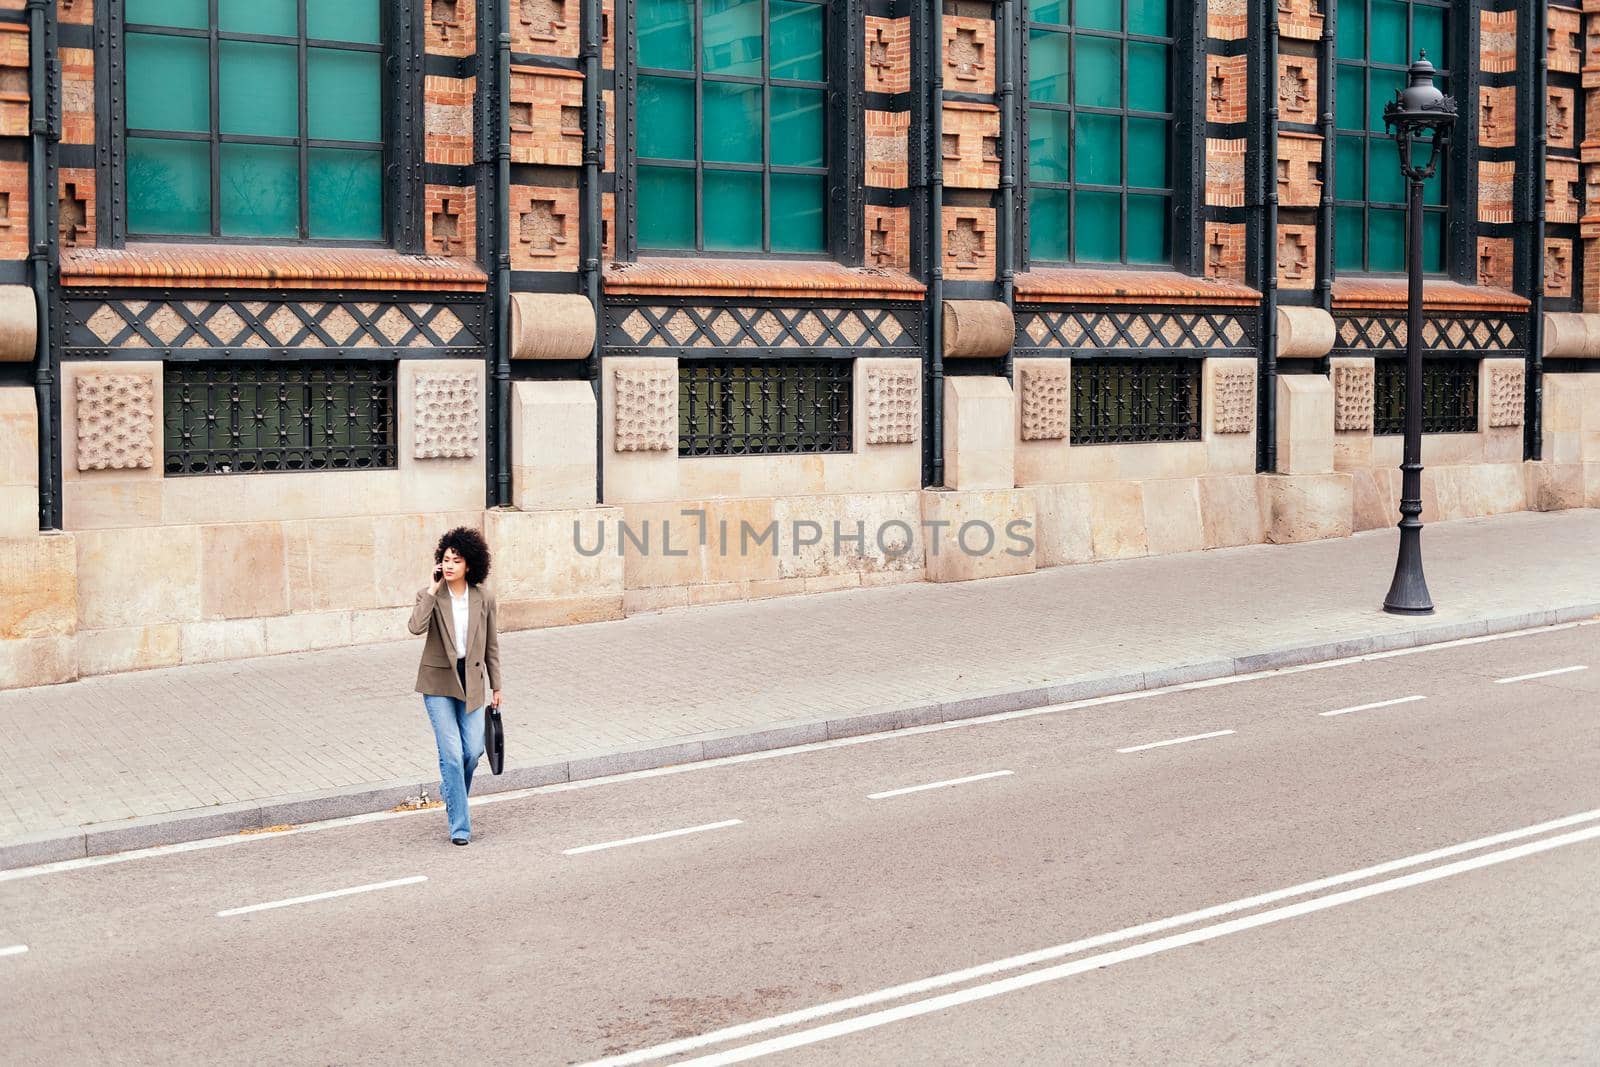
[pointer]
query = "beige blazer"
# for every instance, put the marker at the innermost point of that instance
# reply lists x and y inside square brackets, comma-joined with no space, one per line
[436,676]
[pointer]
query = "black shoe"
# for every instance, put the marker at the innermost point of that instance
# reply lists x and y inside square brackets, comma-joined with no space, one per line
[459,841]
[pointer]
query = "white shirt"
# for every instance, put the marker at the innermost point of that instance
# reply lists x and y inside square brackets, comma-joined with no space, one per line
[458,606]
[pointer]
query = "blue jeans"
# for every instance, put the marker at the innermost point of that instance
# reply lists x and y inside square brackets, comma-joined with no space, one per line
[459,733]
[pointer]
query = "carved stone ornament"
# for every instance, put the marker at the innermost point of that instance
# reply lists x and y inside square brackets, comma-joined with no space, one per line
[1234,404]
[892,408]
[1352,397]
[645,410]
[1506,396]
[116,421]
[1044,403]
[446,416]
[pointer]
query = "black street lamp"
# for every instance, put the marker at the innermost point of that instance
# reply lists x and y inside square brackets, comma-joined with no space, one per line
[1418,109]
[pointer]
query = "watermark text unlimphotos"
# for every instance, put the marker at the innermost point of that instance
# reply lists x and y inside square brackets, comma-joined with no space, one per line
[892,538]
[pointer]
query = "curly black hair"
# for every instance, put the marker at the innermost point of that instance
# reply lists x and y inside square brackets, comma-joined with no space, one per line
[470,546]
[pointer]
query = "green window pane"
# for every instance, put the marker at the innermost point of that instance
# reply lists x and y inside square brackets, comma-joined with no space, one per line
[1350,169]
[1433,242]
[1427,34]
[1349,247]
[1385,184]
[1387,43]
[797,213]
[260,88]
[343,20]
[169,187]
[1048,212]
[666,118]
[1098,78]
[1098,14]
[730,131]
[796,127]
[1148,165]
[1098,222]
[796,35]
[666,207]
[260,191]
[1149,229]
[1386,241]
[1049,135]
[1050,11]
[280,17]
[1047,67]
[1352,29]
[190,13]
[169,83]
[345,194]
[1098,152]
[1148,17]
[1148,69]
[734,224]
[666,34]
[1351,95]
[1383,85]
[344,95]
[730,37]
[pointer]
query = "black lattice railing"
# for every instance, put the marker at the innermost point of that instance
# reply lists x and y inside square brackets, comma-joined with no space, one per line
[762,407]
[247,418]
[1119,401]
[1449,396]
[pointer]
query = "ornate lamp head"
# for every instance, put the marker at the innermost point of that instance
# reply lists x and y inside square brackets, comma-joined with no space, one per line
[1418,109]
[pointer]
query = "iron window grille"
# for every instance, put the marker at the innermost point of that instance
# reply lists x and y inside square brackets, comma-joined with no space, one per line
[1128,401]
[764,407]
[256,417]
[1449,396]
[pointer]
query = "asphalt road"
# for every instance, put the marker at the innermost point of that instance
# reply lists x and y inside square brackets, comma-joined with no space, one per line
[1349,906]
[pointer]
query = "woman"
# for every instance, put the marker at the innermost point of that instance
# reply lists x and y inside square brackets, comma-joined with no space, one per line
[459,618]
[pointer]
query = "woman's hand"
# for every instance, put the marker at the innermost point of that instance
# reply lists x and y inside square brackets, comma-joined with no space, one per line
[438,581]
[494,700]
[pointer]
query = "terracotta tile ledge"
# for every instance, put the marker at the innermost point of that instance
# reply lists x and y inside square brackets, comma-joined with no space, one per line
[267,267]
[758,278]
[1073,285]
[1448,296]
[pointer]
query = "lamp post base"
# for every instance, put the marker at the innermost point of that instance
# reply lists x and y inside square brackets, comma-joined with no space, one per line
[1408,593]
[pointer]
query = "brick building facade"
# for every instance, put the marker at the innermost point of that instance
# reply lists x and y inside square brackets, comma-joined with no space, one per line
[287,288]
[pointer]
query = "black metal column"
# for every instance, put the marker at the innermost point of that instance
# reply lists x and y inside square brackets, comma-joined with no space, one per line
[1408,593]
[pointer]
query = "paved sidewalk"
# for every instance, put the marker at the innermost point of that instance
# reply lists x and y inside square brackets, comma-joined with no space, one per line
[238,733]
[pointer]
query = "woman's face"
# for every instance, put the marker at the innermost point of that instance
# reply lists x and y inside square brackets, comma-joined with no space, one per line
[453,566]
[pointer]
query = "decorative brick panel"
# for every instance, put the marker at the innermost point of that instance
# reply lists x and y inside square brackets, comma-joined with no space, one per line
[608,36]
[1557,268]
[544,228]
[1227,20]
[1297,257]
[968,54]
[1352,396]
[1299,169]
[968,242]
[14,86]
[971,147]
[1233,408]
[1561,190]
[1227,88]
[893,408]
[77,96]
[1297,89]
[1225,250]
[452,27]
[74,12]
[886,148]
[1591,275]
[608,101]
[1494,190]
[451,222]
[448,106]
[76,213]
[116,421]
[1507,396]
[1566,40]
[546,117]
[1225,172]
[446,416]
[888,242]
[1300,19]
[644,410]
[1497,47]
[545,27]
[1561,118]
[888,55]
[1044,401]
[1497,116]
[14,210]
[1495,261]
[608,224]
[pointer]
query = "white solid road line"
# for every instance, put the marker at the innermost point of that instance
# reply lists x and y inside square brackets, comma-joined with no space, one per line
[1133,952]
[1054,952]
[1540,674]
[1372,707]
[1176,741]
[13,950]
[322,896]
[651,837]
[936,785]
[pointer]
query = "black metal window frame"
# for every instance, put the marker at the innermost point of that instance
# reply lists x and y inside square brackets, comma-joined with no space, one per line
[844,138]
[217,421]
[1449,395]
[1136,400]
[765,407]
[401,121]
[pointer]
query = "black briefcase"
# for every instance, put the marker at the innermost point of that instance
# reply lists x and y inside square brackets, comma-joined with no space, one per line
[494,739]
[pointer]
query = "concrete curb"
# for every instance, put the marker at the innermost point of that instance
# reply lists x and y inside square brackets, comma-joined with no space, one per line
[196,823]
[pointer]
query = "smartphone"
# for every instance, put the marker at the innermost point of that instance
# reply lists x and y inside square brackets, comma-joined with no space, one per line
[438,573]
